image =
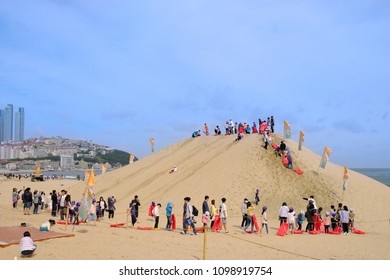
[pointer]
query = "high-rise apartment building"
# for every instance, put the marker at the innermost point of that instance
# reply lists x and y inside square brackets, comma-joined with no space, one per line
[19,125]
[7,124]
[8,119]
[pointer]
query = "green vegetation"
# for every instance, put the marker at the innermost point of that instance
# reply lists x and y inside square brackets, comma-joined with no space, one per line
[112,158]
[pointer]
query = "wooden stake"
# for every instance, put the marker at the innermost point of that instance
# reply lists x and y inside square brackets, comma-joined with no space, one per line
[127,217]
[204,242]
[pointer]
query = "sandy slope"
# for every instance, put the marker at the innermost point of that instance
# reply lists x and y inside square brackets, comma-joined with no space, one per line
[218,167]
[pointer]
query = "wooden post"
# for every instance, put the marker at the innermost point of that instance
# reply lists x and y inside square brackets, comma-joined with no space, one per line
[204,242]
[127,217]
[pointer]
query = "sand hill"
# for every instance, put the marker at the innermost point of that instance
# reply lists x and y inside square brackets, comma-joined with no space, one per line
[218,167]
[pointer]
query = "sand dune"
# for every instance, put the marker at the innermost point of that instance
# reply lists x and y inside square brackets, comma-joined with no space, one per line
[218,167]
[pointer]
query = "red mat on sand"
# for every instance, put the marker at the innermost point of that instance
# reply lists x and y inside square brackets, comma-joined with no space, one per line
[12,235]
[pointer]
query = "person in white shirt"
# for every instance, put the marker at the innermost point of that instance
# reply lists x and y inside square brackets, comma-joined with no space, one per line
[156,215]
[283,213]
[291,219]
[223,214]
[27,246]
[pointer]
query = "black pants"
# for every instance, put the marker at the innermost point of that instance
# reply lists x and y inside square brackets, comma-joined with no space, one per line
[110,214]
[327,229]
[54,210]
[169,222]
[156,219]
[266,145]
[133,219]
[345,227]
[283,220]
[310,226]
[102,214]
[299,226]
[212,222]
[244,220]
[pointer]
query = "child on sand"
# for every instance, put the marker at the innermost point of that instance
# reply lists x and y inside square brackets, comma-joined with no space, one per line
[327,222]
[300,219]
[333,221]
[205,220]
[264,221]
[92,213]
[27,246]
[257,198]
[291,219]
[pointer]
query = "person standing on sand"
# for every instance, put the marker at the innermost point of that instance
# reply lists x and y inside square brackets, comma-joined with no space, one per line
[15,197]
[54,203]
[266,139]
[272,124]
[344,218]
[92,213]
[251,212]
[244,213]
[168,212]
[257,198]
[223,214]
[27,199]
[205,205]
[137,205]
[206,129]
[111,206]
[264,220]
[283,213]
[103,206]
[213,212]
[188,216]
[156,215]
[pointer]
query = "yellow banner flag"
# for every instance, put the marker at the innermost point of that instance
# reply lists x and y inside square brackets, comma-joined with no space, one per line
[286,130]
[91,179]
[327,151]
[346,176]
[131,158]
[104,168]
[152,144]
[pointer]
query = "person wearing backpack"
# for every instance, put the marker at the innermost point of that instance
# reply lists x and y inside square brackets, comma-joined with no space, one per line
[188,215]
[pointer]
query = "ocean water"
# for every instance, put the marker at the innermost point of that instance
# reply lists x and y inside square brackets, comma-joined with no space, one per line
[380,174]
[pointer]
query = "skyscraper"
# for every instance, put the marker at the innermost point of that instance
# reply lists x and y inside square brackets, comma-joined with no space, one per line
[19,125]
[1,125]
[8,118]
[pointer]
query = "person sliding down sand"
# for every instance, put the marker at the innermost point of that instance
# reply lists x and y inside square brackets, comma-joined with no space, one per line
[174,169]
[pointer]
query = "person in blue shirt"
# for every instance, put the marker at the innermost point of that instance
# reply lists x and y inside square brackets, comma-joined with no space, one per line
[168,211]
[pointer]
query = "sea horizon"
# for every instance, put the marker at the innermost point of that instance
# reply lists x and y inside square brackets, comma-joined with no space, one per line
[379,174]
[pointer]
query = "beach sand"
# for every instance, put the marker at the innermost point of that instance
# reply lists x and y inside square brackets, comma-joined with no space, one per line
[217,167]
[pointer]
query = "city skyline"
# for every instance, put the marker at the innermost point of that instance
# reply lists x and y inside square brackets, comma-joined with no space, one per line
[123,72]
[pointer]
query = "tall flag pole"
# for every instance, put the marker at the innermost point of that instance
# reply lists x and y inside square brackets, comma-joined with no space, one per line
[286,130]
[301,140]
[345,184]
[325,157]
[152,144]
[88,195]
[131,158]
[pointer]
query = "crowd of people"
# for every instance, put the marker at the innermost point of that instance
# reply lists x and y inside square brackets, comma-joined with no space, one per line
[240,128]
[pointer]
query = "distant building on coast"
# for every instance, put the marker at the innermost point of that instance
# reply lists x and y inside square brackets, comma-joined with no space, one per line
[67,161]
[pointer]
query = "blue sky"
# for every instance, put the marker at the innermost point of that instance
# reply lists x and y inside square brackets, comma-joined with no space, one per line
[120,72]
